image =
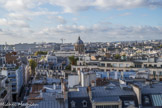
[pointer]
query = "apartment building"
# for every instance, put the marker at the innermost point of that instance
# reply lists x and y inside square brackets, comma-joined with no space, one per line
[15,76]
[155,67]
[5,90]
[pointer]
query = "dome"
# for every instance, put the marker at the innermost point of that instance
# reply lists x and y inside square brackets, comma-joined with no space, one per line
[79,41]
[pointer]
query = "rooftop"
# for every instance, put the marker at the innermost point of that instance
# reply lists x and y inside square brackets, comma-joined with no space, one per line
[107,99]
[110,91]
[82,92]
[49,101]
[47,98]
[153,89]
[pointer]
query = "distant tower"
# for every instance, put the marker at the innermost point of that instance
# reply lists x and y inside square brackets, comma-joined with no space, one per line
[79,46]
[62,39]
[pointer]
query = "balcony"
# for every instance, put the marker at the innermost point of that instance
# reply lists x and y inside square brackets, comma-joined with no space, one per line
[13,89]
[12,80]
[3,92]
[59,96]
[13,83]
[12,76]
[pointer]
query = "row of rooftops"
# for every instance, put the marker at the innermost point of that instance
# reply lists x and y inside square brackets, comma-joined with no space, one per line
[101,91]
[115,92]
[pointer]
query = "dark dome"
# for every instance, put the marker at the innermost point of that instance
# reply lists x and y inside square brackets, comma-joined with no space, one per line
[79,41]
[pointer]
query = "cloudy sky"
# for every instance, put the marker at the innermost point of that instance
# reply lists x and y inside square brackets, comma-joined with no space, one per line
[94,20]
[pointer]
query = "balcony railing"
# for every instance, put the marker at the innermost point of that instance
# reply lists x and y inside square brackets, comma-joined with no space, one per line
[59,96]
[12,76]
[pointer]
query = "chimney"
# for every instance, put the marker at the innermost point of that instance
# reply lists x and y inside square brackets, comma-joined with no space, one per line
[65,91]
[89,91]
[62,85]
[108,74]
[137,91]
[151,84]
[54,86]
[41,94]
[116,75]
[79,74]
[93,83]
[122,75]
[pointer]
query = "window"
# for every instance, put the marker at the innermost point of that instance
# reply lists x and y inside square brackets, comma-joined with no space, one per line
[108,65]
[127,65]
[114,65]
[72,104]
[154,74]
[160,73]
[150,65]
[107,106]
[84,103]
[114,106]
[120,65]
[145,65]
[138,65]
[102,64]
[146,100]
[128,103]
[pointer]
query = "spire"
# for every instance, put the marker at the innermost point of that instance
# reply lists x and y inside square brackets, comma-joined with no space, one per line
[79,41]
[79,38]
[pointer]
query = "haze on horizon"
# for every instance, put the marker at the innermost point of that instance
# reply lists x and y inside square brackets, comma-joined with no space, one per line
[27,21]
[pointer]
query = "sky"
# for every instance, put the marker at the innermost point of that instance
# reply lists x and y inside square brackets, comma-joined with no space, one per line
[28,21]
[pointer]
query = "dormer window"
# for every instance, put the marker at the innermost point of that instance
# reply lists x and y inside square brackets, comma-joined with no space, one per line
[129,103]
[72,104]
[147,100]
[84,103]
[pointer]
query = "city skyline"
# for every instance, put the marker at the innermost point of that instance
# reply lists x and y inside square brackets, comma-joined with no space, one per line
[27,21]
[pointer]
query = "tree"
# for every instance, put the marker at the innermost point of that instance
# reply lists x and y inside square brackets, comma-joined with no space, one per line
[117,56]
[73,60]
[40,53]
[101,81]
[68,67]
[43,57]
[33,65]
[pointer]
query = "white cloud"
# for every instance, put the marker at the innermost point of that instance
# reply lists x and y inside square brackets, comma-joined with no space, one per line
[125,14]
[3,21]
[73,5]
[75,19]
[119,4]
[97,32]
[61,19]
[13,23]
[28,13]
[17,5]
[20,15]
[80,5]
[58,19]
